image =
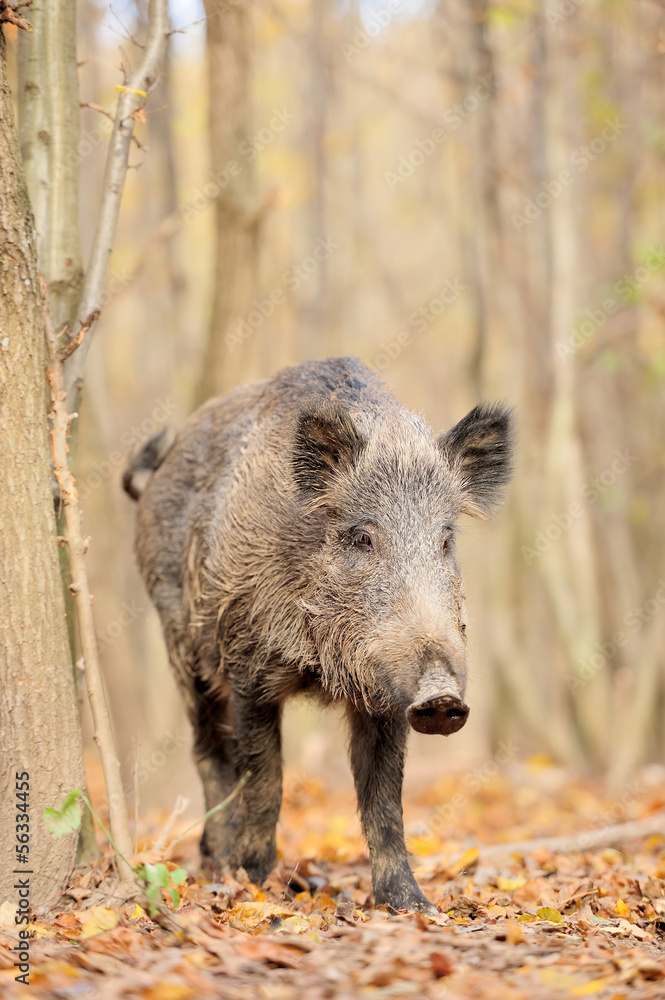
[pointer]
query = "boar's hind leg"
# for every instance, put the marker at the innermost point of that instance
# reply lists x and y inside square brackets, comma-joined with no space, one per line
[214,752]
[377,761]
[259,751]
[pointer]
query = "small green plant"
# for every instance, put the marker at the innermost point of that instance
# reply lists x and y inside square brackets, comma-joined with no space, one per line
[150,878]
[158,877]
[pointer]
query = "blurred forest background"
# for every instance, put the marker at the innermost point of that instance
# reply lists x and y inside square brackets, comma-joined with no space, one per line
[469,196]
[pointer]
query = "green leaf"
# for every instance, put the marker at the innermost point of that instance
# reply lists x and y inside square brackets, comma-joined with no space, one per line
[154,896]
[156,875]
[175,896]
[163,874]
[178,876]
[67,818]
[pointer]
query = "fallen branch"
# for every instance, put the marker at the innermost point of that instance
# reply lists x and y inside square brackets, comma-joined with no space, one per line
[590,840]
[60,420]
[132,96]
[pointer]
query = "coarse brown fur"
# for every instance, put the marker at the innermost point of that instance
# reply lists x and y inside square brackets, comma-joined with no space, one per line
[298,536]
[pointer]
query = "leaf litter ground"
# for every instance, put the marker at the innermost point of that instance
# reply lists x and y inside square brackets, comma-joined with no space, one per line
[539,924]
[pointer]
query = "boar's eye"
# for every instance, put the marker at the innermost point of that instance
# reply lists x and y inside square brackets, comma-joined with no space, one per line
[363,540]
[447,542]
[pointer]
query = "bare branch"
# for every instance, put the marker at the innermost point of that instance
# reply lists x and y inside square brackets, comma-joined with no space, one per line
[77,544]
[177,811]
[132,95]
[98,108]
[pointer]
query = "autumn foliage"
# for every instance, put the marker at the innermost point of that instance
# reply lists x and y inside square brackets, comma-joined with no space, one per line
[540,925]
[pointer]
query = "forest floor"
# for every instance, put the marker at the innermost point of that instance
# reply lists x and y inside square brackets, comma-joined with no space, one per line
[539,923]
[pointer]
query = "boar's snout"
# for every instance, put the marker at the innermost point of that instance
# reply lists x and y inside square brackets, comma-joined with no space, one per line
[437,708]
[444,715]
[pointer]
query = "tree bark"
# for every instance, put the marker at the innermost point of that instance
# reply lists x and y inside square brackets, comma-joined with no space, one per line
[231,354]
[39,725]
[49,134]
[48,120]
[48,102]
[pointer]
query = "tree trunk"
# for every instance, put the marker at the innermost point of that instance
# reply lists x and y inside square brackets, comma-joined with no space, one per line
[232,352]
[314,335]
[48,102]
[48,116]
[39,726]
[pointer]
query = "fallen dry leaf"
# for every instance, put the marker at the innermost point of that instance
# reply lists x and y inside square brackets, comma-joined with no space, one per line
[96,920]
[548,927]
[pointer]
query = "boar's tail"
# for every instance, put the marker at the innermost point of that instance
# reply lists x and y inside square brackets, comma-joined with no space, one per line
[137,475]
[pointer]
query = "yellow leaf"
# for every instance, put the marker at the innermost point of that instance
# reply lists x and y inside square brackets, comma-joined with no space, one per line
[96,920]
[137,913]
[588,989]
[622,910]
[58,968]
[7,914]
[547,913]
[295,923]
[248,916]
[169,991]
[510,884]
[130,90]
[40,930]
[424,845]
[468,860]
[540,761]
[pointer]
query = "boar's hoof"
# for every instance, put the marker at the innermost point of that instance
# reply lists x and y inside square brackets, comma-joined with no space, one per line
[443,715]
[258,862]
[411,902]
[397,889]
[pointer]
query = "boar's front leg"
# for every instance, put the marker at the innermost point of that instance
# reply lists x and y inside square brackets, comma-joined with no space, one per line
[377,760]
[259,751]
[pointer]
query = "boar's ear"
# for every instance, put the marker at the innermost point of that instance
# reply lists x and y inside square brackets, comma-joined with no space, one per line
[479,450]
[326,440]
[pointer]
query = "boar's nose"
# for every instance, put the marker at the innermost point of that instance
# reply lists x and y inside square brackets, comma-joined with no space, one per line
[437,708]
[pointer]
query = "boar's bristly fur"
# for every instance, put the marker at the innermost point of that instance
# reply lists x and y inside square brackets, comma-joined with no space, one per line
[299,537]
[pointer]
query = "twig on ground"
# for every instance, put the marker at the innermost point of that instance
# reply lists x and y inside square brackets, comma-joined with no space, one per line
[590,840]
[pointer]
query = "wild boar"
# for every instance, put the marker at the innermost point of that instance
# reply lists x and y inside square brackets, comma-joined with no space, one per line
[299,537]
